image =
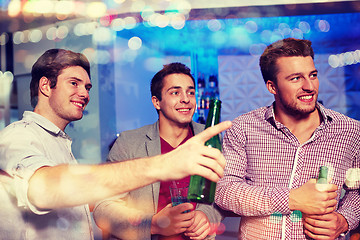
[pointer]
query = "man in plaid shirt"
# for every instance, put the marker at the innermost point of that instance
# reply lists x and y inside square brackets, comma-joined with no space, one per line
[274,154]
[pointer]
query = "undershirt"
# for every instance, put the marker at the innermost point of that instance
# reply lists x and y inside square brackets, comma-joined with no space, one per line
[164,194]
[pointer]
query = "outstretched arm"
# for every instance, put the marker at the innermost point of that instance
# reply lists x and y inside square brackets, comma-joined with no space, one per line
[71,185]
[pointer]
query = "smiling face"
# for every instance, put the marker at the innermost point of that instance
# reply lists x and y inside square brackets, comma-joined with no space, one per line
[297,86]
[68,99]
[178,101]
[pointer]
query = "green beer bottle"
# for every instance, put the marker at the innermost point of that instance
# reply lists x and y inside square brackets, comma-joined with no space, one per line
[322,181]
[202,190]
[323,174]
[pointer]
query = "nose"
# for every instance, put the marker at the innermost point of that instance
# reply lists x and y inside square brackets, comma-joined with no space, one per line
[308,84]
[185,98]
[84,94]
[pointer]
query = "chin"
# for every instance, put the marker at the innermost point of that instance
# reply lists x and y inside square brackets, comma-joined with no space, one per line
[185,122]
[76,118]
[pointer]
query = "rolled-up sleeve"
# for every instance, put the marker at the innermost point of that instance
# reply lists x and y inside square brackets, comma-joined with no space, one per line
[21,154]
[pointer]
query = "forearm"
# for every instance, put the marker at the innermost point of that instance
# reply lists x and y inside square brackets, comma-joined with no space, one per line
[247,200]
[71,185]
[115,218]
[212,212]
[349,208]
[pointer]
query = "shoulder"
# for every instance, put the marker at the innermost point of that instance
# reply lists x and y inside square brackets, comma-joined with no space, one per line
[135,138]
[257,115]
[341,120]
[140,132]
[20,129]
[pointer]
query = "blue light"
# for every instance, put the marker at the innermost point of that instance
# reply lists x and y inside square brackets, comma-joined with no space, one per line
[242,33]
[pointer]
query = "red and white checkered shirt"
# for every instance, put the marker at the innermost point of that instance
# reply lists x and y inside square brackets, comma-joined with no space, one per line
[265,160]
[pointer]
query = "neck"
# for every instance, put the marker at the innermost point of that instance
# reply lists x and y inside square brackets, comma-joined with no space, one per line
[174,134]
[301,126]
[60,123]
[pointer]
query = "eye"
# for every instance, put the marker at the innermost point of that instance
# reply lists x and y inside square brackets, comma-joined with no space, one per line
[191,93]
[74,83]
[314,75]
[175,93]
[295,78]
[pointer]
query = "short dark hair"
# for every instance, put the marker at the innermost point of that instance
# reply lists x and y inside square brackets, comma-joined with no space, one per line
[288,47]
[157,82]
[50,65]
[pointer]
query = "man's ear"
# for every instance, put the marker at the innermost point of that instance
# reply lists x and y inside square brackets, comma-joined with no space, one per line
[155,101]
[44,86]
[271,86]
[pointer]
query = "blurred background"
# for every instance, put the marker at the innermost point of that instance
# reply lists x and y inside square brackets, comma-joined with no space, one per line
[128,41]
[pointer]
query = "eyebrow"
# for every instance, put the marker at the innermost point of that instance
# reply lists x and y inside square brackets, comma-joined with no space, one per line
[178,87]
[89,85]
[299,73]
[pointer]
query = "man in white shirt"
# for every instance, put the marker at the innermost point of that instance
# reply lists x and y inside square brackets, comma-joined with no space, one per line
[43,191]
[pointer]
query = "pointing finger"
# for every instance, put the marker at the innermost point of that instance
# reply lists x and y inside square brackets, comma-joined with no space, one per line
[211,131]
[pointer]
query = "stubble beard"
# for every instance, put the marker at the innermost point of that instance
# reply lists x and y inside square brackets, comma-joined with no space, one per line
[294,110]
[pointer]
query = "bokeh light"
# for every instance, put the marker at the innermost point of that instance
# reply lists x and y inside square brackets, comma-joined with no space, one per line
[135,43]
[257,49]
[241,31]
[7,76]
[51,33]
[26,36]
[214,25]
[177,21]
[96,9]
[64,7]
[62,32]
[162,20]
[146,13]
[322,25]
[18,37]
[89,54]
[138,5]
[14,8]
[35,35]
[304,27]
[102,36]
[118,24]
[130,22]
[251,26]
[344,59]
[297,33]
[4,38]
[334,61]
[284,29]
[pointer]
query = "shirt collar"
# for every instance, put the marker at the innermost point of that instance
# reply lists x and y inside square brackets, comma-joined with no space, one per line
[44,123]
[326,116]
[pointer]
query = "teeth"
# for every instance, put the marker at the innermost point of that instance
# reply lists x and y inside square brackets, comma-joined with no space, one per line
[79,104]
[184,110]
[306,97]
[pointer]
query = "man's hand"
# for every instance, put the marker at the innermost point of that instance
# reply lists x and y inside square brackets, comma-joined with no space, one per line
[194,158]
[309,200]
[200,227]
[326,226]
[172,220]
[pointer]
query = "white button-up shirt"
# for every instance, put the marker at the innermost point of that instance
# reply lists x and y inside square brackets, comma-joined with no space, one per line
[26,146]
